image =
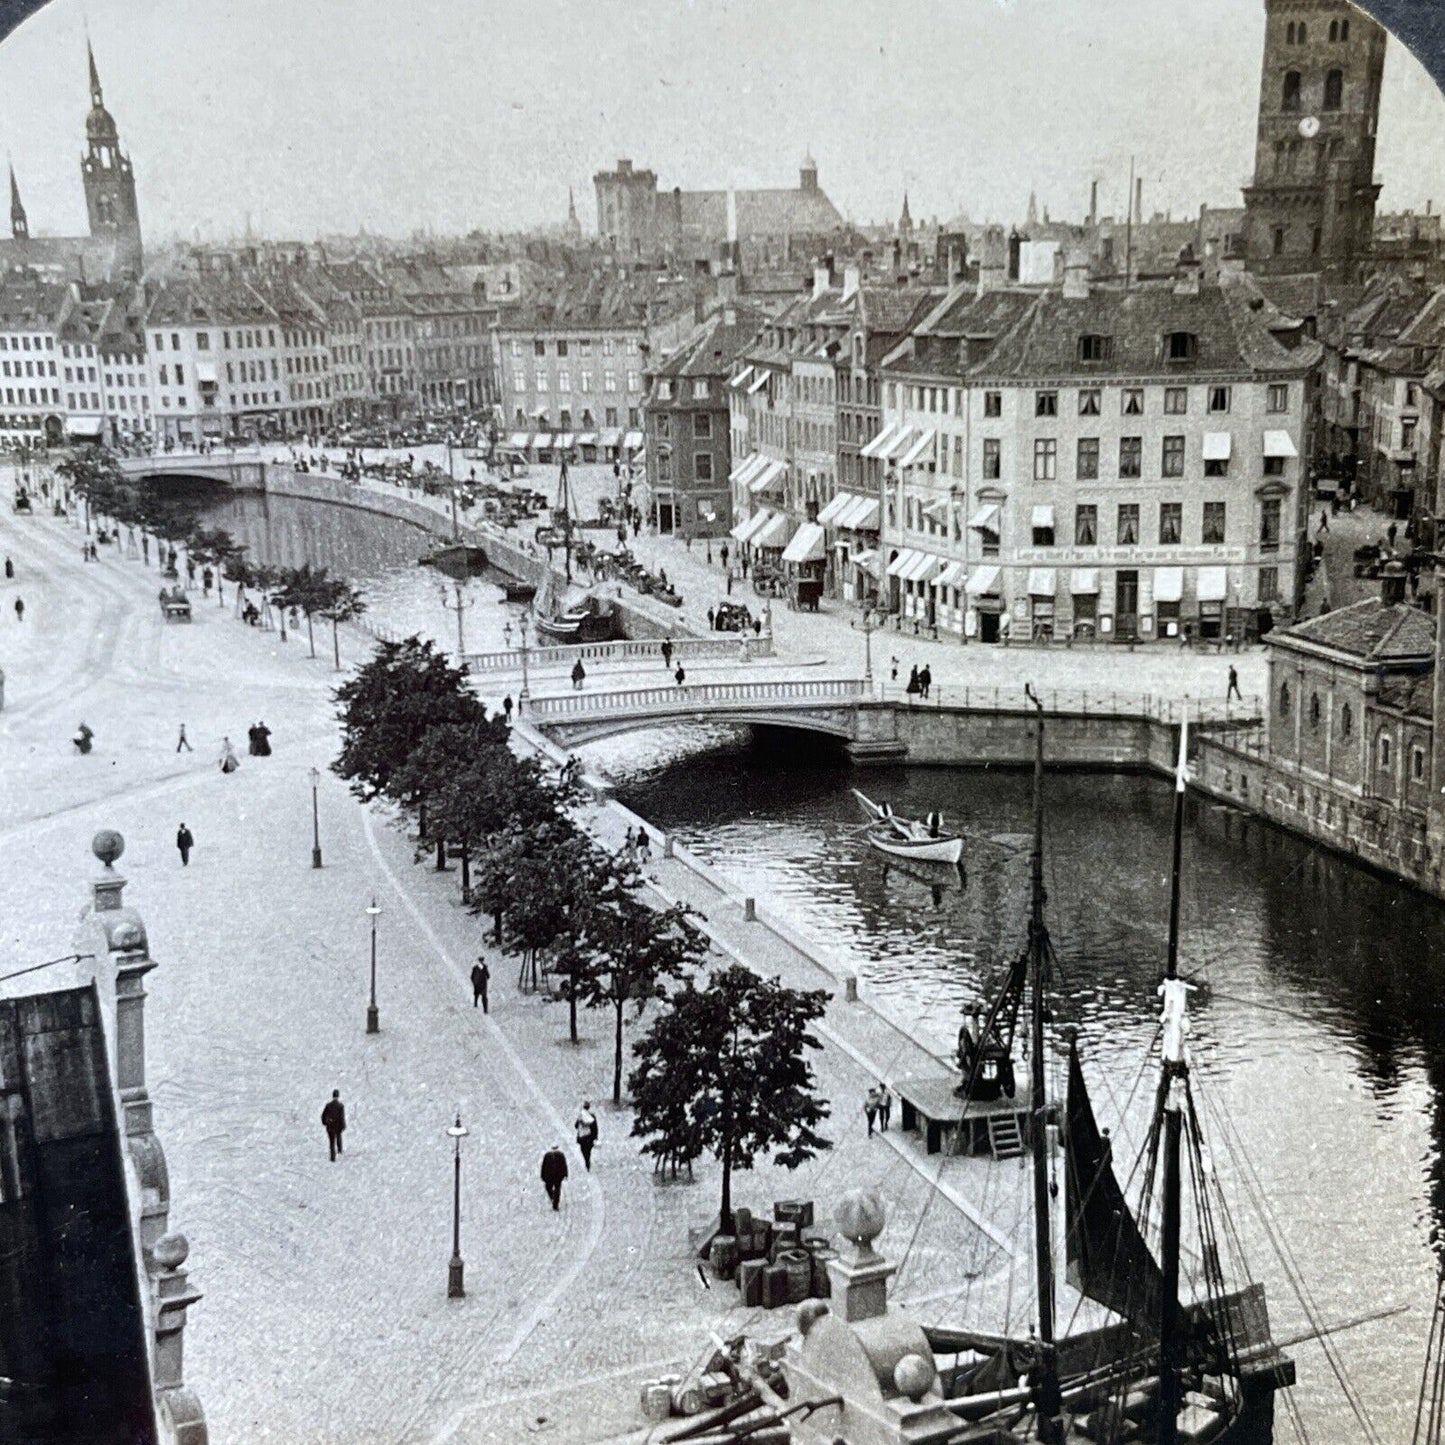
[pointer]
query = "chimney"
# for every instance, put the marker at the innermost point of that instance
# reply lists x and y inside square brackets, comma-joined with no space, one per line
[851,281]
[1093,202]
[1139,201]
[820,281]
[1187,273]
[1392,584]
[1076,276]
[897,256]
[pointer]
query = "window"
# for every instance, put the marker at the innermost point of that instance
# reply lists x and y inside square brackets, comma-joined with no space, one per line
[1289,99]
[1089,402]
[993,403]
[1093,347]
[1046,459]
[1347,721]
[609,381]
[1128,524]
[609,415]
[1274,466]
[1383,752]
[664,427]
[702,466]
[1417,763]
[561,348]
[1334,90]
[1284,699]
[1171,523]
[1314,712]
[1173,459]
[1269,525]
[1212,532]
[664,390]
[990,459]
[700,388]
[1133,401]
[1087,463]
[1269,586]
[542,381]
[1277,398]
[160,341]
[702,426]
[1218,398]
[1278,240]
[632,382]
[164,380]
[1131,456]
[175,341]
[564,381]
[1344,29]
[1046,403]
[203,341]
[1181,346]
[539,348]
[1086,525]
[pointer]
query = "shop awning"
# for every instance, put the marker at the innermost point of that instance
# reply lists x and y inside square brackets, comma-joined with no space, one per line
[922,443]
[888,434]
[1278,444]
[866,561]
[835,508]
[1168,584]
[741,377]
[981,580]
[985,519]
[1217,446]
[953,575]
[775,534]
[587,439]
[862,516]
[1042,582]
[758,383]
[806,545]
[1043,516]
[565,440]
[1084,582]
[768,475]
[520,439]
[83,426]
[748,468]
[542,441]
[206,372]
[632,441]
[1213,584]
[610,438]
[925,569]
[896,445]
[749,527]
[937,509]
[902,562]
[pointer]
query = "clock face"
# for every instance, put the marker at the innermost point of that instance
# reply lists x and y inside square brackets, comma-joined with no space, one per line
[1309,127]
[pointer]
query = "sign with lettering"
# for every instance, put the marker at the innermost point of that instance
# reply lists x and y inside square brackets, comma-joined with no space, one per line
[1129,556]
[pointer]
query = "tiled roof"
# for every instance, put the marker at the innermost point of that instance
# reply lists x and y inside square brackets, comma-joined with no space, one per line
[712,349]
[760,213]
[895,308]
[1414,696]
[1369,630]
[30,305]
[207,301]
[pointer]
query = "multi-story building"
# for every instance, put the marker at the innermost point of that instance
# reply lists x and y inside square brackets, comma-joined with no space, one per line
[1082,462]
[685,418]
[572,362]
[451,335]
[1311,206]
[345,345]
[32,402]
[305,352]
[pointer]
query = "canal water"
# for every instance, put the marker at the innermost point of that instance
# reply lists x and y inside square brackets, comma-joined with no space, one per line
[1319,1036]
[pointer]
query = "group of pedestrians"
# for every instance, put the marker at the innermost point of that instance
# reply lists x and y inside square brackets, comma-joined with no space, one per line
[878,1106]
[920,680]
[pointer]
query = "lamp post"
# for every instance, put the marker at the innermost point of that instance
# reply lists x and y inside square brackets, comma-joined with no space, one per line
[373,1018]
[868,625]
[522,625]
[456,1132]
[315,820]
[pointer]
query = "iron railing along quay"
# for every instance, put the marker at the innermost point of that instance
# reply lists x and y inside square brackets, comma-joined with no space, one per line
[690,697]
[725,646]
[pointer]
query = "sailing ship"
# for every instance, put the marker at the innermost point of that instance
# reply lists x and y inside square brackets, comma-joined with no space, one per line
[1163,1368]
[920,842]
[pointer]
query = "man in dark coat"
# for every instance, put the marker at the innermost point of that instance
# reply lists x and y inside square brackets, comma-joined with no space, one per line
[554,1171]
[481,977]
[333,1120]
[184,843]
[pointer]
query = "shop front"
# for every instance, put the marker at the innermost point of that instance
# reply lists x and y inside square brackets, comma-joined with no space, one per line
[1213,588]
[1168,598]
[1084,595]
[1043,585]
[984,591]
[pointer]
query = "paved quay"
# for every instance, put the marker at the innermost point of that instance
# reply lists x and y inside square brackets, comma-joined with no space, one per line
[257,1011]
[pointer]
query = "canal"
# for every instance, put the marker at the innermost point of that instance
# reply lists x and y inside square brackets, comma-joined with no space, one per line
[1319,1039]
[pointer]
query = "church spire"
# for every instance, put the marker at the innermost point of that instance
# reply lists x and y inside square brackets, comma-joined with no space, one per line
[19,225]
[905,218]
[96,98]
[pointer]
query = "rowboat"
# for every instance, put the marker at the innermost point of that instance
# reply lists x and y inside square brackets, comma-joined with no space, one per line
[923,842]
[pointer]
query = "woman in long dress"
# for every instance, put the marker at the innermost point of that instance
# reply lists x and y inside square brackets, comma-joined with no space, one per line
[229,761]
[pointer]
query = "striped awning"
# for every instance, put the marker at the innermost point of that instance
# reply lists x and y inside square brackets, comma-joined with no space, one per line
[902,562]
[897,445]
[749,467]
[587,439]
[835,508]
[861,516]
[768,476]
[953,575]
[564,440]
[806,544]
[1042,582]
[1279,444]
[985,519]
[632,441]
[922,443]
[758,383]
[610,438]
[1168,584]
[884,437]
[1213,584]
[982,580]
[924,569]
[749,527]
[1084,582]
[867,561]
[775,534]
[741,377]
[520,439]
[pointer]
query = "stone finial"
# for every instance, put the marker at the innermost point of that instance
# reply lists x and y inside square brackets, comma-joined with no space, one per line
[107,845]
[914,1376]
[171,1251]
[860,1217]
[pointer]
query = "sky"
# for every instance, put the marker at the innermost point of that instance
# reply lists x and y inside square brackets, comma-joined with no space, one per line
[306,117]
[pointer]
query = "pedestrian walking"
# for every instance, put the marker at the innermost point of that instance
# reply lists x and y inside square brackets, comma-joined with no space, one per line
[586,1130]
[507,707]
[711,620]
[724,555]
[1391,532]
[481,977]
[666,652]
[229,761]
[579,675]
[871,1102]
[20,609]
[208,579]
[680,675]
[9,570]
[915,683]
[554,1171]
[1233,686]
[925,680]
[183,743]
[644,846]
[185,841]
[333,1120]
[885,1105]
[263,740]
[1324,519]
[892,669]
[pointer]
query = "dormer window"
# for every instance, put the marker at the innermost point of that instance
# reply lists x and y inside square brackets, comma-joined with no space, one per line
[1181,345]
[1093,347]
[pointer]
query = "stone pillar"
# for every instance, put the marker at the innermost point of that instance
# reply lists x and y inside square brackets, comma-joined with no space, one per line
[174,1296]
[860,1283]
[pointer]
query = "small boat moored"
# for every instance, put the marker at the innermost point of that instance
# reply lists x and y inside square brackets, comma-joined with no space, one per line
[922,842]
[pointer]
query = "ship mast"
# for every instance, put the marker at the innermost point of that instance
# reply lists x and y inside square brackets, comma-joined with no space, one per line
[564,502]
[1047,1400]
[1173,1085]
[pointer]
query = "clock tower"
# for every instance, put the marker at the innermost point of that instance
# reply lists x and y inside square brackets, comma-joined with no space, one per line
[1311,205]
[110,182]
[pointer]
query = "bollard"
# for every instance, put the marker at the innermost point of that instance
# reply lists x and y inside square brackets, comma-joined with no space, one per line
[850,987]
[667,847]
[750,910]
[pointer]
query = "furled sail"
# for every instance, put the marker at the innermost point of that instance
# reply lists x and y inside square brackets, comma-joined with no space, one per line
[1108,1258]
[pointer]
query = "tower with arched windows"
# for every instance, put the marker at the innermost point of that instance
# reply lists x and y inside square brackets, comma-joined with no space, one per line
[1311,205]
[109,181]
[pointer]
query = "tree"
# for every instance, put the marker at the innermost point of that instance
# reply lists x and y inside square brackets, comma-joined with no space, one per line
[633,948]
[214,546]
[305,589]
[735,1052]
[387,706]
[341,603]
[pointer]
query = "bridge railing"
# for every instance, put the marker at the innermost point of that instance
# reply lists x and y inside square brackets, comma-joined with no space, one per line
[696,696]
[1080,702]
[728,646]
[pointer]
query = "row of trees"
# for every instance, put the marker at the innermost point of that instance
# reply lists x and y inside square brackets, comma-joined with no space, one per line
[723,1067]
[113,497]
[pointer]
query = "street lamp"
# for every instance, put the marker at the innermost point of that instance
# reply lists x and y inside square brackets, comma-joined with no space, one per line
[868,626]
[522,625]
[373,1018]
[315,820]
[456,1132]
